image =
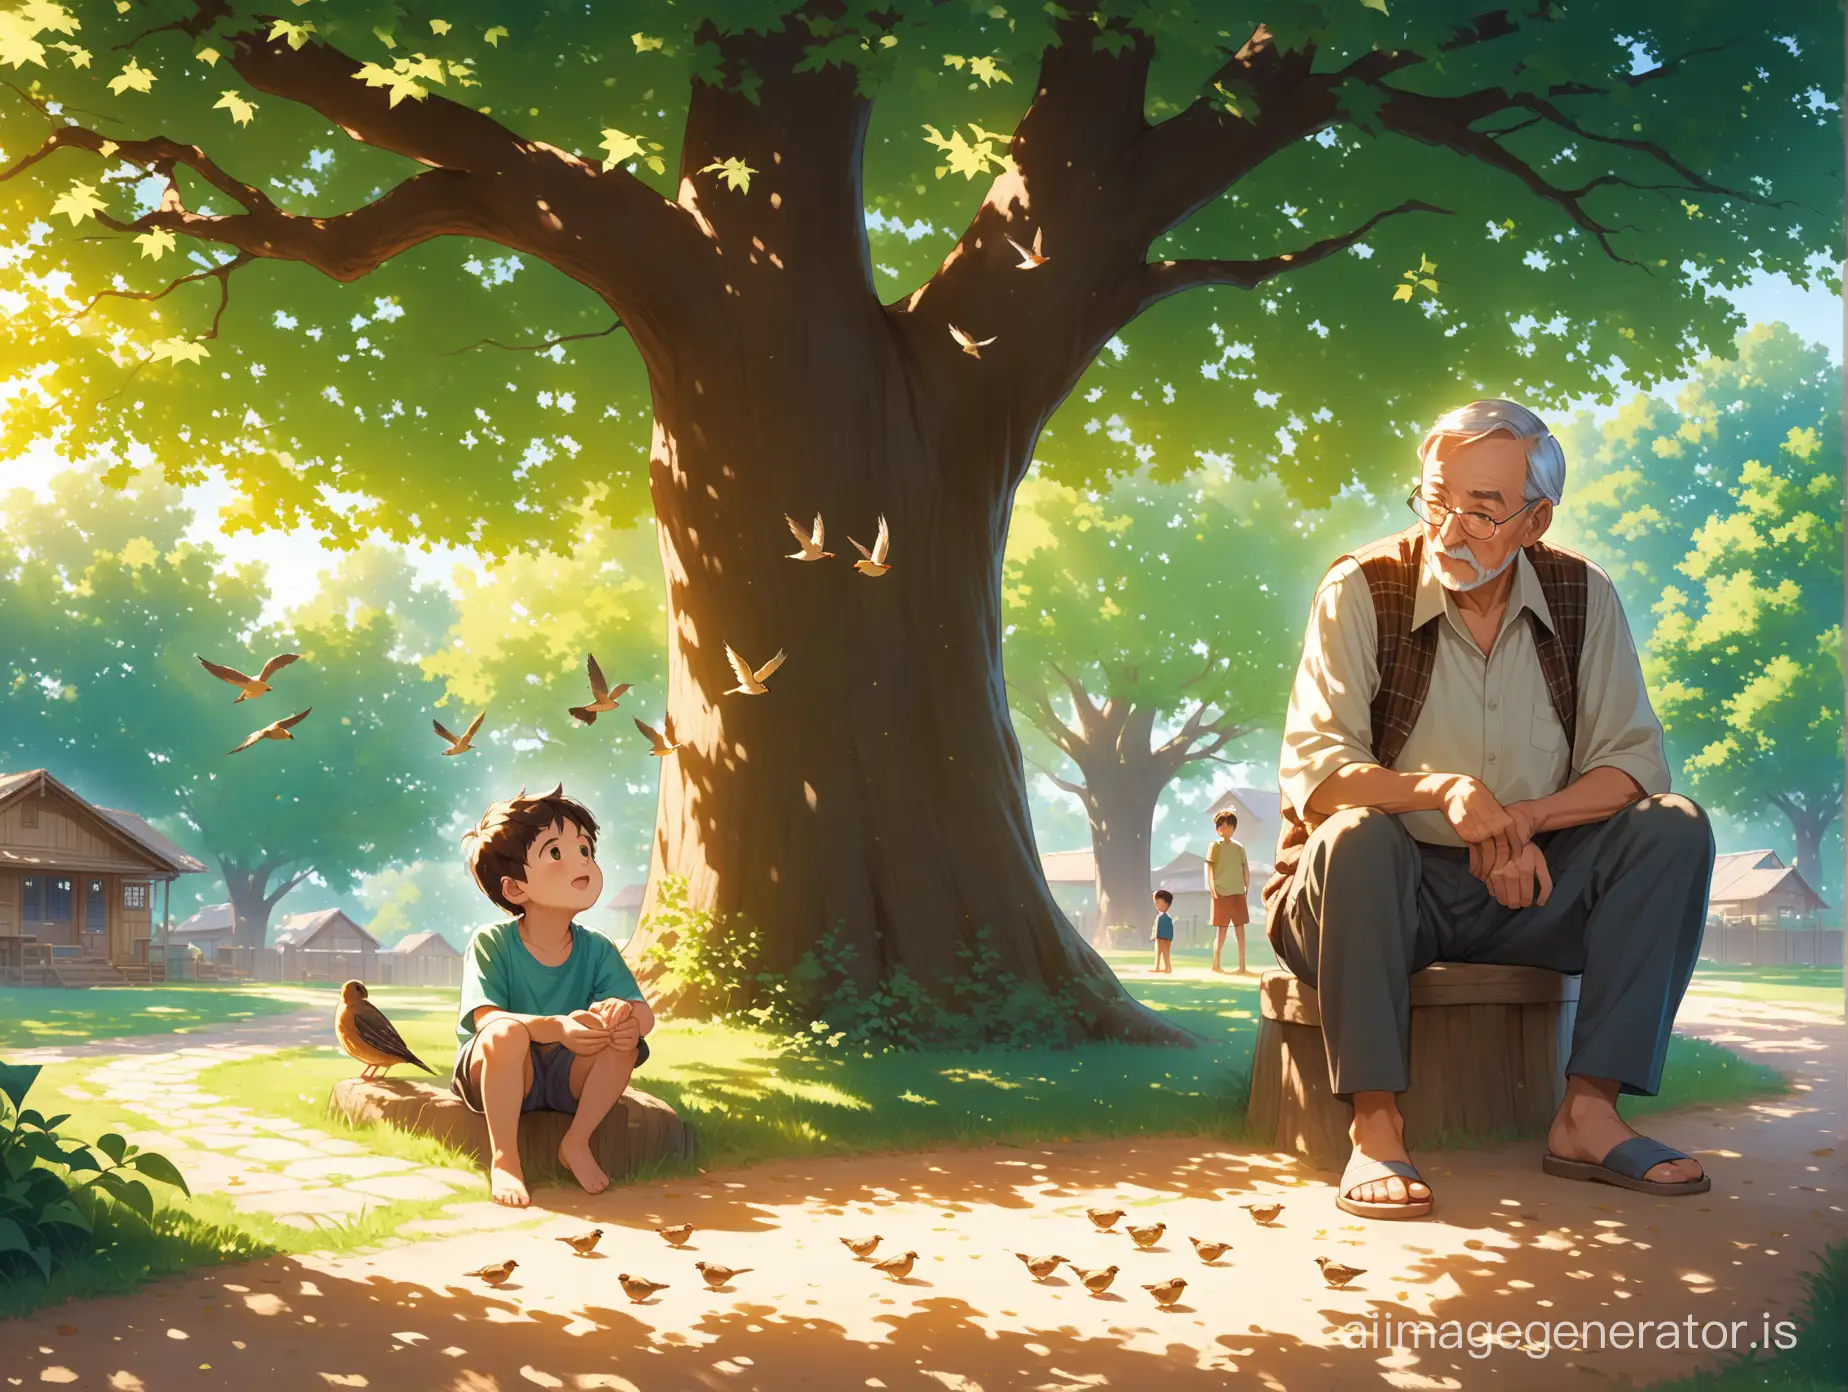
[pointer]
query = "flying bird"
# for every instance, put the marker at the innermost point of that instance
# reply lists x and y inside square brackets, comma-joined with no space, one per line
[276,729]
[898,1268]
[1210,1251]
[1041,1267]
[1263,1213]
[1336,1274]
[662,747]
[601,697]
[253,687]
[365,1033]
[861,1247]
[874,562]
[1030,259]
[676,1237]
[639,1288]
[462,745]
[1167,1292]
[583,1243]
[1149,1236]
[495,1275]
[810,542]
[1103,1219]
[717,1276]
[1098,1281]
[752,683]
[972,346]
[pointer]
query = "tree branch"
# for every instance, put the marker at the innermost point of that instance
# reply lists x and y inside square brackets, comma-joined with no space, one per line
[1046,720]
[1077,789]
[539,347]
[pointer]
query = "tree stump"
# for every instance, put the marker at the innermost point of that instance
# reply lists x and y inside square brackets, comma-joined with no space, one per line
[1488,1054]
[639,1130]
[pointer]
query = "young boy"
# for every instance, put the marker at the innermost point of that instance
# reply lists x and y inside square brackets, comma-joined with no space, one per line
[1228,880]
[1164,933]
[551,1015]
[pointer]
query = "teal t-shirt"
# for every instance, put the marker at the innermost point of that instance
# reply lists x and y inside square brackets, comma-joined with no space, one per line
[499,970]
[1164,926]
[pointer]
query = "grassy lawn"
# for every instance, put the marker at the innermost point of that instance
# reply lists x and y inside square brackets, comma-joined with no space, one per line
[44,1017]
[1817,1362]
[1811,986]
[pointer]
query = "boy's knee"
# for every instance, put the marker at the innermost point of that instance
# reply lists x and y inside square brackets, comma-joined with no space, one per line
[502,1034]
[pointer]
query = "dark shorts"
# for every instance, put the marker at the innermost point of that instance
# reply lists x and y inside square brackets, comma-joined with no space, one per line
[551,1086]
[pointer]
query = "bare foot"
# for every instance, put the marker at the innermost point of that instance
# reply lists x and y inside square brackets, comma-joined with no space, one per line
[1379,1134]
[575,1156]
[1586,1127]
[507,1186]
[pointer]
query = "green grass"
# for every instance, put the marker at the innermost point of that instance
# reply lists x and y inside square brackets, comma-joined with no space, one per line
[43,1016]
[1817,1362]
[1812,986]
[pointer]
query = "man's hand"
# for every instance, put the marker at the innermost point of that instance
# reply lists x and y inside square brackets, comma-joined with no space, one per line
[1482,822]
[1512,884]
[1526,823]
[584,1032]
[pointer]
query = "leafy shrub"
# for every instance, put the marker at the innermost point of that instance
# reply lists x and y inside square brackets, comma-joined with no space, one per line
[47,1213]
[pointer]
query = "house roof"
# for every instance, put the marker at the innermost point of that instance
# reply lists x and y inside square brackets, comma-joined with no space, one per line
[1069,867]
[299,930]
[213,918]
[418,941]
[1257,809]
[132,828]
[1743,876]
[628,897]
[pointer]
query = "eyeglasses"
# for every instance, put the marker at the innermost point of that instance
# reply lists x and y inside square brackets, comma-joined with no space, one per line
[1479,525]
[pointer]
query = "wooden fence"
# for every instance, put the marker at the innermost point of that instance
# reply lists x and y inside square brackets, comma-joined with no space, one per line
[1745,946]
[285,964]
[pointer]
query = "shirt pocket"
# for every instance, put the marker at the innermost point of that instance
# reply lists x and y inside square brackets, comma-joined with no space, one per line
[1544,730]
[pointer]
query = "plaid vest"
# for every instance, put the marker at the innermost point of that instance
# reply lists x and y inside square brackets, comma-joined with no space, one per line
[1406,658]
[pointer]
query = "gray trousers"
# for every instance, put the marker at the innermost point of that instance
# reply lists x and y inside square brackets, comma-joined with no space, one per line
[1370,905]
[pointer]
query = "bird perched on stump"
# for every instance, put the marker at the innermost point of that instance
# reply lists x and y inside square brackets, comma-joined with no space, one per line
[495,1275]
[717,1276]
[584,1243]
[368,1036]
[1149,1236]
[1336,1274]
[861,1247]
[1263,1213]
[1103,1219]
[639,1288]
[1041,1267]
[898,1268]
[676,1237]
[1210,1251]
[1167,1292]
[1098,1281]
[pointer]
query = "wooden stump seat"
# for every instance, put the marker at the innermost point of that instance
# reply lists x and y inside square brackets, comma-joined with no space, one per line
[639,1130]
[1488,1053]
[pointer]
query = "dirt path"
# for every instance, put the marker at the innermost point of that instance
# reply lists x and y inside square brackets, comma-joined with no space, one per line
[1512,1245]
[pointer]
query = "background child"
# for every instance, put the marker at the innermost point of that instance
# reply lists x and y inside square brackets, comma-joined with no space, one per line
[1228,880]
[1164,933]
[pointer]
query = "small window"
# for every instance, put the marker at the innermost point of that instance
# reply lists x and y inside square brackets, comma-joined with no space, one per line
[28,812]
[95,910]
[134,896]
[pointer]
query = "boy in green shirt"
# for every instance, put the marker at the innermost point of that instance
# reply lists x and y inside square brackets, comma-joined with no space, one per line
[551,1016]
[1228,880]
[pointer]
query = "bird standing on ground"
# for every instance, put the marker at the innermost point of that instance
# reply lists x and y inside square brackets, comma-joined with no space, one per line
[1167,1292]
[1103,1219]
[874,562]
[717,1276]
[601,697]
[276,729]
[676,1237]
[809,541]
[639,1288]
[1263,1213]
[861,1247]
[1041,1267]
[1336,1274]
[1210,1251]
[462,745]
[1098,1281]
[662,747]
[253,687]
[365,1033]
[1030,259]
[751,683]
[1149,1236]
[898,1268]
[495,1275]
[972,346]
[583,1243]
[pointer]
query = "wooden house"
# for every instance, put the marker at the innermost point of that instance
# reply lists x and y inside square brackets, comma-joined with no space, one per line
[626,904]
[1762,912]
[1192,911]
[211,928]
[77,884]
[324,945]
[1259,812]
[422,959]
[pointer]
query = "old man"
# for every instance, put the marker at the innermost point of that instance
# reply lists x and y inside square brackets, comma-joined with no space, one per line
[1472,772]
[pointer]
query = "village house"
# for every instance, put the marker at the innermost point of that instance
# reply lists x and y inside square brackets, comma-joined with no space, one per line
[211,928]
[1761,911]
[626,904]
[324,945]
[77,886]
[422,959]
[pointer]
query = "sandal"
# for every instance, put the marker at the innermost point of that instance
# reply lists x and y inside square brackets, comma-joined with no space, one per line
[1625,1164]
[1361,1170]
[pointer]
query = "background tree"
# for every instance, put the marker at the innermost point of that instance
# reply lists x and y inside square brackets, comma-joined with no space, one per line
[1389,194]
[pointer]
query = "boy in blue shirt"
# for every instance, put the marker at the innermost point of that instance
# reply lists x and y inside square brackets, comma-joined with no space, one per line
[1164,933]
[551,1016]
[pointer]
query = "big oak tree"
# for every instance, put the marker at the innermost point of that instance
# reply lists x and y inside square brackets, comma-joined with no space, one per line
[427,267]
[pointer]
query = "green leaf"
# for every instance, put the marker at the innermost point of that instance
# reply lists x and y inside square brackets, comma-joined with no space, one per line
[112,1145]
[161,1168]
[66,1213]
[135,1195]
[13,1237]
[1379,5]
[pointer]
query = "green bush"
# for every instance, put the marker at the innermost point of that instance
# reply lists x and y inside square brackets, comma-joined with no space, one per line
[818,1007]
[48,1214]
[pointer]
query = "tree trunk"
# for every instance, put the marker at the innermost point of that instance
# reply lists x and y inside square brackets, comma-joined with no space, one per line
[1120,802]
[1808,828]
[251,904]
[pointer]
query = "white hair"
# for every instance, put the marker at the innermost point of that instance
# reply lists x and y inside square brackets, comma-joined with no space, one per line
[1546,461]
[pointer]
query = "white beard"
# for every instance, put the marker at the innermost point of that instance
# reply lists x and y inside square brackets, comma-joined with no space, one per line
[1464,554]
